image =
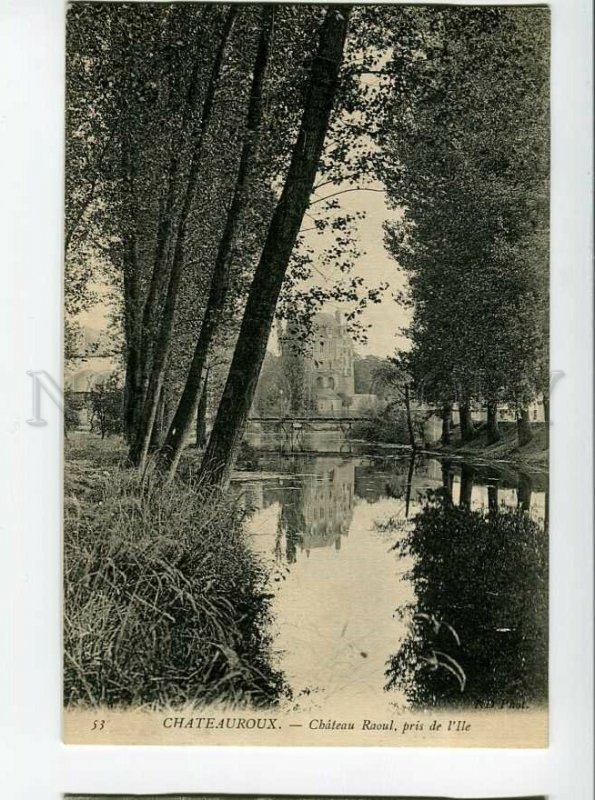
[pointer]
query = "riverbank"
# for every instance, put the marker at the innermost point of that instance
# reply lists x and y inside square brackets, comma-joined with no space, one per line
[532,456]
[165,601]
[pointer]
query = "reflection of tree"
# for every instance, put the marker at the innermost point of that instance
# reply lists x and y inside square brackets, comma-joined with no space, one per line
[291,524]
[447,476]
[525,491]
[466,485]
[479,631]
[394,477]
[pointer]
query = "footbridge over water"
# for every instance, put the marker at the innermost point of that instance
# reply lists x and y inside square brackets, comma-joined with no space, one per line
[303,433]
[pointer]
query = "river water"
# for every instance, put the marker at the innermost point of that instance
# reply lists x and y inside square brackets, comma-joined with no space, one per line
[442,621]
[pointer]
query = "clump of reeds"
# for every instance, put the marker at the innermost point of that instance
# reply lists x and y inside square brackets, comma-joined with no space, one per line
[165,603]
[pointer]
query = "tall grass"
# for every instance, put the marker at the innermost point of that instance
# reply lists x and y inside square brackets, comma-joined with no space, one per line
[164,601]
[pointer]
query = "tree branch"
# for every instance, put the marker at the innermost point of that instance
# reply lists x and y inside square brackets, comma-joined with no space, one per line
[87,200]
[344,191]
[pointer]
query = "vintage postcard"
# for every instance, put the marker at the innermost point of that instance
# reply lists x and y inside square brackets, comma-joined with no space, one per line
[306,374]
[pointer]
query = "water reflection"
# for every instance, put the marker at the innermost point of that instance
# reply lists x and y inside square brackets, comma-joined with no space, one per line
[456,614]
[478,633]
[316,508]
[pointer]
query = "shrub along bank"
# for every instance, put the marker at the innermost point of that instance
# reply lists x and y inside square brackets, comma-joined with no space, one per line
[165,602]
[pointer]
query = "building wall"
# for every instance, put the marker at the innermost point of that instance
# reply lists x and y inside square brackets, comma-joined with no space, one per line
[85,373]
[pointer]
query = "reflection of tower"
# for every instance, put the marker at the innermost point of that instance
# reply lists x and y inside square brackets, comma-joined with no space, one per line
[328,505]
[317,508]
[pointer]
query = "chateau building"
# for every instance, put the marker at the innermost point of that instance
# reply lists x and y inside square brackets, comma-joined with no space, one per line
[327,368]
[329,364]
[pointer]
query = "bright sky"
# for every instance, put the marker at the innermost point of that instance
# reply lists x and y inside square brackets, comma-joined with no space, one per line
[375,265]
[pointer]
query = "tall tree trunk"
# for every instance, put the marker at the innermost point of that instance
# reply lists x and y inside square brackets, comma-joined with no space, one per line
[128,225]
[466,486]
[180,426]
[467,427]
[138,451]
[283,230]
[493,430]
[201,413]
[523,427]
[168,219]
[131,321]
[130,397]
[158,432]
[446,435]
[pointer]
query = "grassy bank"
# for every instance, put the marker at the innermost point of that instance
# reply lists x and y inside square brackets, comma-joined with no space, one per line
[533,455]
[164,601]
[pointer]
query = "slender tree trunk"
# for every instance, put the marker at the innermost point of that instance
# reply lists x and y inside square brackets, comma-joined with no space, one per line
[466,486]
[201,414]
[130,279]
[409,419]
[523,427]
[139,449]
[131,334]
[410,475]
[467,427]
[493,429]
[283,230]
[158,432]
[180,426]
[446,435]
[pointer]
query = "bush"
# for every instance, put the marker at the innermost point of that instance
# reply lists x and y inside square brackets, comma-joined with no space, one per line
[247,457]
[388,427]
[72,407]
[106,407]
[165,603]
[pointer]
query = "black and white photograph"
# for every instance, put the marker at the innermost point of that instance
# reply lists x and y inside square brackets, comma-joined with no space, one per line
[306,374]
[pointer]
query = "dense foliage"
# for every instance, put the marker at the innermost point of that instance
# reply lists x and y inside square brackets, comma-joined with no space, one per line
[464,150]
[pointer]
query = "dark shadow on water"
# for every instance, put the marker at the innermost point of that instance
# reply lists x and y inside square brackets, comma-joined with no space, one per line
[479,631]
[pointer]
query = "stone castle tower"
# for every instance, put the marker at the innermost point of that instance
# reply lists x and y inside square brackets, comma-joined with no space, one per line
[322,367]
[329,365]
